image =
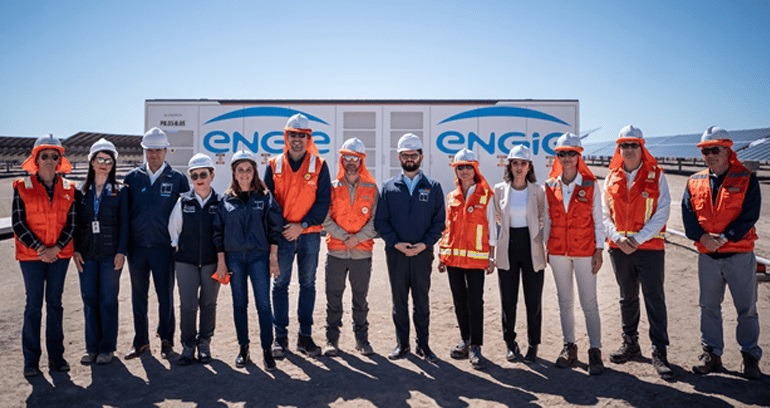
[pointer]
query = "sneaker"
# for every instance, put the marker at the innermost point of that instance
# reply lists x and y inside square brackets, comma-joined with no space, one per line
[751,366]
[243,357]
[88,359]
[280,345]
[364,348]
[660,363]
[330,349]
[628,350]
[104,358]
[267,356]
[166,349]
[187,357]
[595,364]
[513,351]
[478,362]
[531,356]
[568,355]
[306,345]
[460,351]
[709,362]
[204,352]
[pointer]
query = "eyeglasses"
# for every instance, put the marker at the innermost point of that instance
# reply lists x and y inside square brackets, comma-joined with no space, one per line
[52,156]
[350,157]
[298,135]
[202,175]
[409,156]
[465,167]
[708,150]
[570,153]
[103,160]
[629,145]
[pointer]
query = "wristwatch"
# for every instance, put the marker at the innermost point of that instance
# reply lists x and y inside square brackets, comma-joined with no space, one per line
[304,225]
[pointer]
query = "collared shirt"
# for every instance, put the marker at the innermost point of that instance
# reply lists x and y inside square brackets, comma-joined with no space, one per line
[367,231]
[175,221]
[596,211]
[154,176]
[410,183]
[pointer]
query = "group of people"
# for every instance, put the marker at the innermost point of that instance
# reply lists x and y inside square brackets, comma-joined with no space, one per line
[258,226]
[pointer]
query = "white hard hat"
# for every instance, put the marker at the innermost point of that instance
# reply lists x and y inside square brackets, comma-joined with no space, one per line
[200,161]
[47,140]
[715,133]
[354,145]
[409,141]
[100,146]
[242,155]
[568,140]
[155,139]
[630,131]
[520,152]
[465,155]
[298,121]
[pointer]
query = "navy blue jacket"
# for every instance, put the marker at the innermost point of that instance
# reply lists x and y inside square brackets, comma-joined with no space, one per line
[402,217]
[196,241]
[245,226]
[113,223]
[151,205]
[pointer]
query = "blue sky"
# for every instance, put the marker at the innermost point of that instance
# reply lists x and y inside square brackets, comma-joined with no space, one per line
[667,67]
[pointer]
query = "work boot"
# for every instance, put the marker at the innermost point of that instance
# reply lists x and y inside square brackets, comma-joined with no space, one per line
[243,356]
[531,356]
[166,349]
[751,366]
[330,349]
[423,350]
[267,356]
[595,364]
[306,345]
[460,351]
[513,351]
[709,362]
[88,359]
[104,358]
[478,361]
[568,355]
[364,347]
[187,357]
[660,363]
[628,350]
[204,352]
[280,345]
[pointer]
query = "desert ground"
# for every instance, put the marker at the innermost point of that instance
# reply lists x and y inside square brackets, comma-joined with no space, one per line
[351,380]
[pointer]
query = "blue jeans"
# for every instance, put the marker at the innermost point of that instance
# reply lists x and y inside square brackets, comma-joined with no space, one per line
[141,262]
[306,247]
[99,288]
[254,265]
[43,280]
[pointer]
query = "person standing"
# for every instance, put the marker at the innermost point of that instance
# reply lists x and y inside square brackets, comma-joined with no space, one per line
[720,208]
[467,252]
[349,240]
[247,232]
[410,218]
[191,228]
[299,180]
[519,209]
[153,190]
[101,243]
[636,207]
[43,218]
[574,237]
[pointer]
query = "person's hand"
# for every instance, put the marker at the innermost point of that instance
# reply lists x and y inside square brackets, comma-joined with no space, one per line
[119,261]
[490,267]
[625,245]
[712,242]
[596,261]
[352,242]
[221,269]
[78,260]
[275,271]
[292,231]
[48,254]
[441,267]
[404,247]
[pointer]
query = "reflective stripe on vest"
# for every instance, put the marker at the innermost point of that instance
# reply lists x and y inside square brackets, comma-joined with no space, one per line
[296,191]
[632,209]
[572,232]
[465,241]
[351,217]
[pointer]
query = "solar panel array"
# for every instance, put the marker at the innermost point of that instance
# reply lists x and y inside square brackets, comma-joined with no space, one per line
[14,148]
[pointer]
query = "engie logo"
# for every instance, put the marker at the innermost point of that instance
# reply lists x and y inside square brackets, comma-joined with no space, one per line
[451,141]
[219,141]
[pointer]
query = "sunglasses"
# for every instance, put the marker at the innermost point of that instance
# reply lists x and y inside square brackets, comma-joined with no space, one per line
[708,150]
[350,157]
[202,175]
[52,156]
[629,145]
[465,167]
[103,160]
[409,156]
[298,135]
[568,153]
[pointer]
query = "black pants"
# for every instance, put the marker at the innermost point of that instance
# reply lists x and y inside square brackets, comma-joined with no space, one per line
[645,268]
[520,258]
[468,296]
[410,273]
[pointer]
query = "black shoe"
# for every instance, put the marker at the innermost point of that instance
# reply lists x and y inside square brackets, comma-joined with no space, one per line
[187,357]
[280,345]
[243,357]
[751,366]
[595,364]
[399,352]
[568,355]
[460,351]
[513,351]
[204,352]
[660,363]
[306,345]
[267,356]
[531,356]
[628,350]
[709,362]
[364,347]
[137,351]
[59,364]
[478,361]
[31,371]
[166,349]
[423,350]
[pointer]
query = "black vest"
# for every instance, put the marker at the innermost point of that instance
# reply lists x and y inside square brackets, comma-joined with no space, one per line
[196,243]
[105,243]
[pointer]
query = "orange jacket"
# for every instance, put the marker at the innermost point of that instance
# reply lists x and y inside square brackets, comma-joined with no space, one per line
[465,242]
[572,233]
[729,202]
[296,192]
[351,217]
[631,209]
[45,218]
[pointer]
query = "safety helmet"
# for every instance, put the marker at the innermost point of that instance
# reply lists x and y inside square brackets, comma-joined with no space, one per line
[200,161]
[100,146]
[520,152]
[409,141]
[155,139]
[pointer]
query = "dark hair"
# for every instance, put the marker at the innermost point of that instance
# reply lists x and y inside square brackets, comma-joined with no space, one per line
[508,174]
[91,174]
[256,183]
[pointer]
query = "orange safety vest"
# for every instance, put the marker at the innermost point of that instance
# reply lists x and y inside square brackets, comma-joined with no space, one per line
[729,203]
[572,233]
[295,192]
[351,217]
[465,242]
[45,218]
[632,209]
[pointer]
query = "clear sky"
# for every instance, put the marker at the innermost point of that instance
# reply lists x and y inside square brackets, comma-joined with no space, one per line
[668,67]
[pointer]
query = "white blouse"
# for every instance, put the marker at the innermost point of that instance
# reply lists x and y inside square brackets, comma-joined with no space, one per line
[518,207]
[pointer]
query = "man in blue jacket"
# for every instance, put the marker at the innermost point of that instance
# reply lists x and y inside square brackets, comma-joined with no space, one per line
[410,218]
[153,189]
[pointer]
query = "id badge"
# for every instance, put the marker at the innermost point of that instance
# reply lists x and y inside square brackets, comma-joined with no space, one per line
[95,227]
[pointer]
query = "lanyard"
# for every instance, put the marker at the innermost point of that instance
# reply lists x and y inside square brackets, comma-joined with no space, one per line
[98,201]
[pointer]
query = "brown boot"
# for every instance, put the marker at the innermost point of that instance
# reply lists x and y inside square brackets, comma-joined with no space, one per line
[568,355]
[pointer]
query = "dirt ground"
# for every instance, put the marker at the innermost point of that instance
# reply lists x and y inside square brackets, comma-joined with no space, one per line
[353,380]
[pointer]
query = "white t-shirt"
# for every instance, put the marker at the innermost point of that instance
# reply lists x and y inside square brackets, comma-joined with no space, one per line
[518,207]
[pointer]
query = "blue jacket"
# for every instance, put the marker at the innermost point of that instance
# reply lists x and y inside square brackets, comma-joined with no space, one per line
[196,241]
[414,218]
[150,205]
[113,223]
[250,225]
